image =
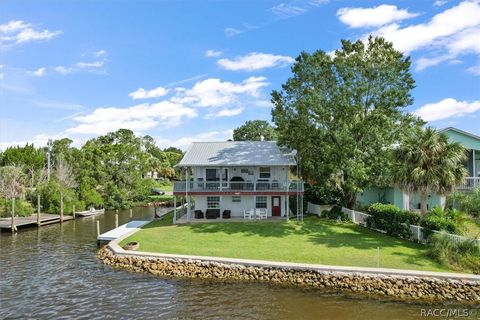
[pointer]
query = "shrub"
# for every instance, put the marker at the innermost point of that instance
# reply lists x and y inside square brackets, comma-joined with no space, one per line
[50,198]
[335,213]
[321,194]
[22,208]
[450,220]
[391,219]
[468,202]
[459,255]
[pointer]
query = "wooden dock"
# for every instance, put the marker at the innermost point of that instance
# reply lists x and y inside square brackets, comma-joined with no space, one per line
[33,220]
[121,231]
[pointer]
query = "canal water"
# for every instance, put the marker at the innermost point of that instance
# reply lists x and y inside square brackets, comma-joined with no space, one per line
[52,273]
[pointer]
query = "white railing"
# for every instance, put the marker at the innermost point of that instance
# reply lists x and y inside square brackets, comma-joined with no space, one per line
[469,183]
[237,186]
[358,217]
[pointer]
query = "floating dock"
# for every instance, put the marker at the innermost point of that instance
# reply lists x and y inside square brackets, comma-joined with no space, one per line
[123,230]
[33,220]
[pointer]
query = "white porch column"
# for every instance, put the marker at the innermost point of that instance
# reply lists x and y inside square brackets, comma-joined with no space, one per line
[174,209]
[406,200]
[221,190]
[473,164]
[187,194]
[443,201]
[287,204]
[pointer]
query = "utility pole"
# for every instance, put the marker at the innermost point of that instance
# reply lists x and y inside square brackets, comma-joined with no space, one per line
[49,151]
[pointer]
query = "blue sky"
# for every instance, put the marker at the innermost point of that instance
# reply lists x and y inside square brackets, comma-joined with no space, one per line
[192,71]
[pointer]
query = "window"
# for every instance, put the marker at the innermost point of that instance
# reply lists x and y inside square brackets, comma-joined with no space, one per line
[236,199]
[211,174]
[261,202]
[213,202]
[265,172]
[247,171]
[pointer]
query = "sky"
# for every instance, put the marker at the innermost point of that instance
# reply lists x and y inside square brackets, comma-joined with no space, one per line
[194,70]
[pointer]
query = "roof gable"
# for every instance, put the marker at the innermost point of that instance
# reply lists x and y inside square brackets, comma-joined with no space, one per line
[237,153]
[467,139]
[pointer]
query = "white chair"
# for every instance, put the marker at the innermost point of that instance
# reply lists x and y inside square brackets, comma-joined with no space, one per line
[262,213]
[247,214]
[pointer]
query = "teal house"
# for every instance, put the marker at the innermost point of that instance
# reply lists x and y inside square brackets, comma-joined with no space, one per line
[411,201]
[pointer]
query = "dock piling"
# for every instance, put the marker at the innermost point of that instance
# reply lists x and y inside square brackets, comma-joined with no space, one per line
[73,211]
[13,216]
[131,214]
[116,220]
[98,228]
[61,207]
[38,210]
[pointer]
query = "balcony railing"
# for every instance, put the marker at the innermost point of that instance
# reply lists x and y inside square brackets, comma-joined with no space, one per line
[469,183]
[240,186]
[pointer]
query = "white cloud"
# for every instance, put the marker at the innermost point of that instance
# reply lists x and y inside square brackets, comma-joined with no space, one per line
[224,113]
[284,10]
[439,3]
[213,92]
[185,141]
[95,66]
[447,108]
[2,75]
[373,17]
[17,32]
[137,118]
[474,69]
[143,94]
[63,70]
[40,72]
[213,53]
[231,32]
[255,61]
[99,54]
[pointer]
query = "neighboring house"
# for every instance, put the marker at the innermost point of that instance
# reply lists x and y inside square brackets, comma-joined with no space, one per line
[228,179]
[411,201]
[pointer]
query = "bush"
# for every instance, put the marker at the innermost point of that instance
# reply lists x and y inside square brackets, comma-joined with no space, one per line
[450,220]
[321,195]
[335,213]
[22,208]
[459,255]
[50,198]
[468,202]
[391,219]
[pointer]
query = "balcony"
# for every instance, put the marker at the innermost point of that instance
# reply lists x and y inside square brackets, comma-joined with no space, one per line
[469,183]
[238,187]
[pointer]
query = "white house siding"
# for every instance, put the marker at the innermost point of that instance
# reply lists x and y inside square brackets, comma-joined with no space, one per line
[237,208]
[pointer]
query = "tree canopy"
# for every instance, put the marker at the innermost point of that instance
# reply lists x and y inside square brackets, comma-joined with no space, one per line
[343,113]
[254,130]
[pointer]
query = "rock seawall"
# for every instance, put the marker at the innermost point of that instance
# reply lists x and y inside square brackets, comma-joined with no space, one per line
[392,286]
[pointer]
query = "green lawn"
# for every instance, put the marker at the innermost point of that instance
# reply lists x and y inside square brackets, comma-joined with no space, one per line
[314,241]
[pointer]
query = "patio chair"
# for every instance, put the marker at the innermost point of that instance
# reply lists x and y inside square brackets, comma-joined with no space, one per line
[198,214]
[262,213]
[248,214]
[227,214]
[213,213]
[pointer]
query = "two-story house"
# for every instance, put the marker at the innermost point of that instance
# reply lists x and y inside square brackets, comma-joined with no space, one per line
[230,179]
[411,201]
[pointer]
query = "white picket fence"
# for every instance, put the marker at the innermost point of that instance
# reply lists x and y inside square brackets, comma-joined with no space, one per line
[360,218]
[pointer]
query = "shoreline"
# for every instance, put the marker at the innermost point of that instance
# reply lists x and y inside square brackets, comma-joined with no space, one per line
[394,284]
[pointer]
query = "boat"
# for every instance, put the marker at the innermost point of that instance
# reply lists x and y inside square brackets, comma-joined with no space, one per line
[90,212]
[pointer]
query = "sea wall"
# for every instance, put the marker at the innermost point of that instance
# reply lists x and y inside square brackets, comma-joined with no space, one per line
[397,287]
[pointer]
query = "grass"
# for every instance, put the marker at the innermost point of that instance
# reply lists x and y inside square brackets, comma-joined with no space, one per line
[314,241]
[472,227]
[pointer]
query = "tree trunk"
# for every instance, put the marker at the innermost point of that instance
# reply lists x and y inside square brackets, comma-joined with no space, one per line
[423,203]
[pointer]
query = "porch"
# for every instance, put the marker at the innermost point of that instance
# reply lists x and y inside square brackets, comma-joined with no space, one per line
[184,220]
[469,183]
[180,187]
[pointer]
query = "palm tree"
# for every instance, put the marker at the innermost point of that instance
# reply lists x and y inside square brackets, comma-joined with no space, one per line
[427,162]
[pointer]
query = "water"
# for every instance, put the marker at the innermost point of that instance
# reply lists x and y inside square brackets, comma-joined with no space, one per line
[52,272]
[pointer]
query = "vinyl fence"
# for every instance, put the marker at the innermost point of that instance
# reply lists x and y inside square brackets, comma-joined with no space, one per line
[360,218]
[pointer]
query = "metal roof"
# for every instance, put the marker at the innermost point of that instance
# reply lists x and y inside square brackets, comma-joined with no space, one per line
[237,153]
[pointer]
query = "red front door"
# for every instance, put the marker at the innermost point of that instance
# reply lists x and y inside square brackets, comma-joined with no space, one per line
[276,206]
